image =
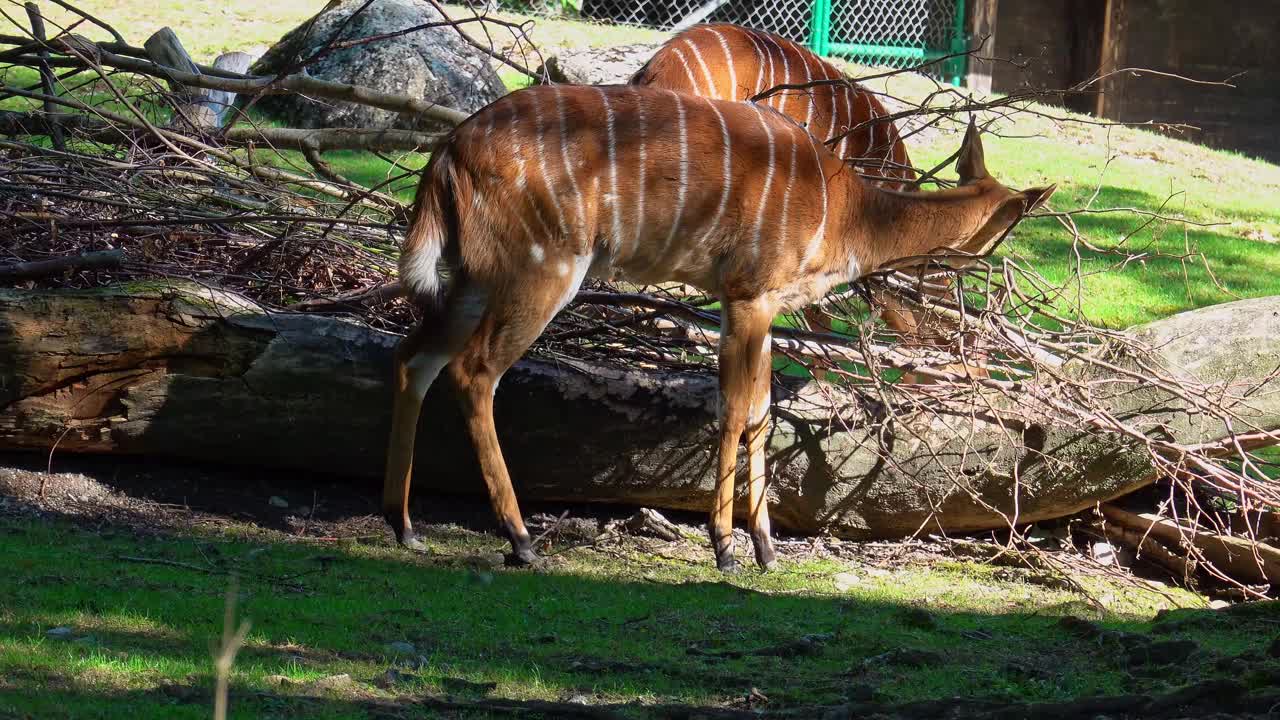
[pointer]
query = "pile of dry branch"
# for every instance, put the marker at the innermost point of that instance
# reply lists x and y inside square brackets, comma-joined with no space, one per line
[135,165]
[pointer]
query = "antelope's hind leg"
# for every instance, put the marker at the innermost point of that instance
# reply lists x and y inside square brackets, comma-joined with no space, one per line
[419,358]
[756,434]
[743,340]
[516,315]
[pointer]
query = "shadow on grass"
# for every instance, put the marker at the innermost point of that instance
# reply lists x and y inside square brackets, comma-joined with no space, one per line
[138,634]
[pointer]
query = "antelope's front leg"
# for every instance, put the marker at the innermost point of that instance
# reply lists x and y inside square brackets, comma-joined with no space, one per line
[744,331]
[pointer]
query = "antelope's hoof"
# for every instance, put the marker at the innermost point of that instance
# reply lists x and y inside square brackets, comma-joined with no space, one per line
[406,538]
[728,565]
[765,557]
[524,557]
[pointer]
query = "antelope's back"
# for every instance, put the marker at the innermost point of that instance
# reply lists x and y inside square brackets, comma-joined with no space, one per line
[732,62]
[650,184]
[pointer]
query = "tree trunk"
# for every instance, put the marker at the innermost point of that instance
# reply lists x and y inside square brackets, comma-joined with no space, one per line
[188,372]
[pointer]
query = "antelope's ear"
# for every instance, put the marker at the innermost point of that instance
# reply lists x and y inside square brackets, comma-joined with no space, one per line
[1035,197]
[970,163]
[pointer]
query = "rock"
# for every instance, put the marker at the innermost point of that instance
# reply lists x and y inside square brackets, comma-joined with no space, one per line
[433,64]
[1219,604]
[401,648]
[578,699]
[60,632]
[1103,552]
[598,66]
[280,681]
[331,684]
[277,502]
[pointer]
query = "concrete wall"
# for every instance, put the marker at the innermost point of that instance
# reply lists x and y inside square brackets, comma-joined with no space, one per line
[1055,43]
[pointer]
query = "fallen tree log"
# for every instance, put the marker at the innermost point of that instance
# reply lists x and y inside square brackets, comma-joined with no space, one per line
[175,370]
[1238,557]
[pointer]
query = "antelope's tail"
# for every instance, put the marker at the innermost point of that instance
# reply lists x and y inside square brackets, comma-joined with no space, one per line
[434,230]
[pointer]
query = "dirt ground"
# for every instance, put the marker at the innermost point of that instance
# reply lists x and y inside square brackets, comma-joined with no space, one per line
[163,496]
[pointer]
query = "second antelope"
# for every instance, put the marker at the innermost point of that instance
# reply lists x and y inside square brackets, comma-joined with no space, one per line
[731,62]
[550,185]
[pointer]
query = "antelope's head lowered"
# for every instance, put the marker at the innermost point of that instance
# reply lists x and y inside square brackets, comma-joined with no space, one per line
[965,221]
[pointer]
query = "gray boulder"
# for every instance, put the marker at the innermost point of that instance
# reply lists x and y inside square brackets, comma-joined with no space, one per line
[598,66]
[434,64]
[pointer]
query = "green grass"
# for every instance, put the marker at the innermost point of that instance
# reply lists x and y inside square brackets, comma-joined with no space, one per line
[614,627]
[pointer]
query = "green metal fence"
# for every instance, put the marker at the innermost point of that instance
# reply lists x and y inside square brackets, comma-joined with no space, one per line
[897,33]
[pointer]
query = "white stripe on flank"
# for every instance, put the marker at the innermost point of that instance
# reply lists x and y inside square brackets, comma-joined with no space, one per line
[768,180]
[564,155]
[835,113]
[640,130]
[693,82]
[847,89]
[786,75]
[815,242]
[808,93]
[759,63]
[517,152]
[683,188]
[614,202]
[769,54]
[706,72]
[813,100]
[542,164]
[728,175]
[728,58]
[786,194]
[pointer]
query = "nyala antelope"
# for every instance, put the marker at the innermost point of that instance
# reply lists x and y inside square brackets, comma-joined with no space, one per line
[732,62]
[551,185]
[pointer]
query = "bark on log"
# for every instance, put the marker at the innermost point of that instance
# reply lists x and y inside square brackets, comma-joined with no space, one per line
[171,370]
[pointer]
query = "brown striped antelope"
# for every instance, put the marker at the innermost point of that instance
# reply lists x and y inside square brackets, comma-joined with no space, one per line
[554,184]
[732,62]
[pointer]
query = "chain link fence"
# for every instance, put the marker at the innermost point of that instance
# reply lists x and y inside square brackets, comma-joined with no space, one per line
[897,33]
